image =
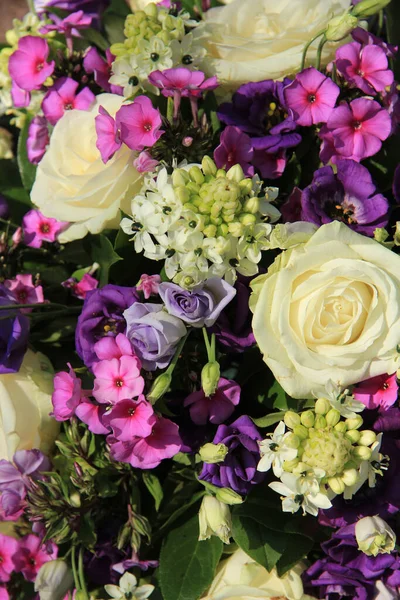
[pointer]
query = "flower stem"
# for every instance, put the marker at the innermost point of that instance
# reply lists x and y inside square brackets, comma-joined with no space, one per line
[74,569]
[306,47]
[82,574]
[210,346]
[319,52]
[177,354]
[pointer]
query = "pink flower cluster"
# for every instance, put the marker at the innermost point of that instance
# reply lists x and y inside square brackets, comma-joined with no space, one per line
[37,228]
[136,434]
[25,556]
[24,291]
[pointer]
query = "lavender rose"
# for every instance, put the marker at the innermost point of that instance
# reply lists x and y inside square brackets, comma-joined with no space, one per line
[200,306]
[14,333]
[102,316]
[239,469]
[153,333]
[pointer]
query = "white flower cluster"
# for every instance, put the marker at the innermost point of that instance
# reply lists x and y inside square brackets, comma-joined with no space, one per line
[204,222]
[155,40]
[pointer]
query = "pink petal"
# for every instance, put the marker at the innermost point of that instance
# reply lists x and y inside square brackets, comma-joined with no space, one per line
[84,99]
[373,59]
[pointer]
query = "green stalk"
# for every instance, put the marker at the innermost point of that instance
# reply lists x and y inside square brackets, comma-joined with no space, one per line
[210,346]
[74,569]
[319,52]
[82,574]
[306,47]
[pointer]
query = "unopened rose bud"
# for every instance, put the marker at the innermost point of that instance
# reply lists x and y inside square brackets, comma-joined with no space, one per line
[367,8]
[322,406]
[340,27]
[160,387]
[291,419]
[228,496]
[53,580]
[214,519]
[213,453]
[210,376]
[374,536]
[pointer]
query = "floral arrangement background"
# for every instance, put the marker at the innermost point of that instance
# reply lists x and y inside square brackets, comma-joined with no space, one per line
[200,300]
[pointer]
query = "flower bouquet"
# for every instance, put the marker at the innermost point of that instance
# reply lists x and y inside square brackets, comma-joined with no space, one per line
[200,300]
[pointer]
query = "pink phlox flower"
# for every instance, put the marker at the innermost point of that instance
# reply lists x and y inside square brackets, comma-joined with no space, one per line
[108,135]
[28,65]
[129,419]
[80,288]
[92,415]
[365,38]
[144,163]
[182,80]
[68,26]
[31,555]
[19,97]
[364,67]
[3,593]
[311,97]
[8,547]
[38,139]
[114,347]
[25,291]
[17,237]
[62,96]
[94,63]
[117,379]
[139,124]
[67,394]
[38,229]
[356,130]
[147,453]
[216,408]
[379,392]
[235,148]
[148,284]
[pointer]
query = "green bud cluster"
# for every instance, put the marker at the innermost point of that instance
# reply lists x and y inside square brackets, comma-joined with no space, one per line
[327,441]
[223,200]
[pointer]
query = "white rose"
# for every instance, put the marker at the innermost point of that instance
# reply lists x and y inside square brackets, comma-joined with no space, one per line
[25,404]
[329,310]
[72,182]
[264,39]
[241,577]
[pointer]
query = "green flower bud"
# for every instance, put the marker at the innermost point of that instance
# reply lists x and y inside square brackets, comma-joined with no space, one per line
[248,219]
[236,229]
[196,175]
[349,477]
[235,173]
[340,27]
[182,193]
[301,431]
[362,452]
[341,426]
[151,10]
[251,205]
[292,441]
[221,173]
[223,230]
[193,187]
[210,231]
[228,496]
[320,422]
[354,423]
[246,186]
[353,435]
[336,484]
[75,500]
[307,418]
[327,449]
[290,465]
[374,536]
[333,417]
[53,580]
[291,419]
[367,8]
[208,166]
[322,406]
[210,375]
[367,438]
[213,453]
[159,387]
[214,519]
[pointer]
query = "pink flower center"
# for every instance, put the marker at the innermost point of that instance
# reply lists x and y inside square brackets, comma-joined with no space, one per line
[22,296]
[131,411]
[119,382]
[147,126]
[39,66]
[231,157]
[357,125]
[312,98]
[360,73]
[68,106]
[44,228]
[385,386]
[32,562]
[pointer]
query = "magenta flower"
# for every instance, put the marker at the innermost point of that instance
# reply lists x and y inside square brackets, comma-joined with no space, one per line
[364,67]
[38,139]
[38,229]
[3,593]
[117,379]
[379,392]
[80,288]
[32,554]
[130,419]
[108,135]
[235,148]
[62,96]
[147,453]
[355,130]
[24,291]
[148,284]
[101,69]
[8,547]
[311,97]
[139,124]
[216,408]
[144,163]
[113,347]
[70,25]
[28,65]
[20,98]
[92,414]
[67,394]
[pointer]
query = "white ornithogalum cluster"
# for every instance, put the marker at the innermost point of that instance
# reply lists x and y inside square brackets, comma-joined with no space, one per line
[203,221]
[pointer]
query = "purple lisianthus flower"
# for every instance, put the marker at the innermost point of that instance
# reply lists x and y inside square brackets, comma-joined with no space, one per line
[14,333]
[348,196]
[346,572]
[92,8]
[153,334]
[201,306]
[102,315]
[38,139]
[216,408]
[235,148]
[260,111]
[233,326]
[239,469]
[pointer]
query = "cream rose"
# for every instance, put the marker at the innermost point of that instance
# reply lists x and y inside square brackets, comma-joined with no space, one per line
[264,39]
[329,311]
[25,404]
[72,182]
[241,577]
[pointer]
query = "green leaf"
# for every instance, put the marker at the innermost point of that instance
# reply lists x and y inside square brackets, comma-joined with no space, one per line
[19,202]
[269,419]
[114,28]
[26,168]
[154,486]
[297,547]
[187,566]
[94,37]
[101,250]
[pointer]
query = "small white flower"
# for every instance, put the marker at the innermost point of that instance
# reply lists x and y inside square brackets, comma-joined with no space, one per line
[274,452]
[153,55]
[127,588]
[347,405]
[294,490]
[187,49]
[368,470]
[253,242]
[126,74]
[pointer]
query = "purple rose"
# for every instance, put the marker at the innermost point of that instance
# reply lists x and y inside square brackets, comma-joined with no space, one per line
[349,196]
[153,334]
[199,307]
[233,327]
[239,469]
[102,315]
[14,333]
[346,572]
